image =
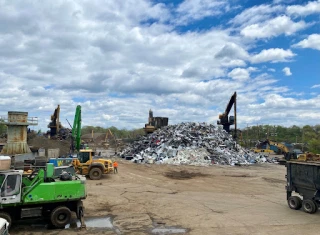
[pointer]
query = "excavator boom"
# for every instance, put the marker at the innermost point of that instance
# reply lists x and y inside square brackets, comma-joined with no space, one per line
[229,105]
[224,119]
[76,130]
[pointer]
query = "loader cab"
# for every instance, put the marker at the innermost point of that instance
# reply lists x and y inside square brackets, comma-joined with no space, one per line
[11,182]
[85,156]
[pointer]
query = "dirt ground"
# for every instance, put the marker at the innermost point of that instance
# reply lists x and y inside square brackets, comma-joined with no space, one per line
[152,199]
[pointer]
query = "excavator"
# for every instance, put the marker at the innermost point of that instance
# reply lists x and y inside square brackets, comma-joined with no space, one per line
[224,118]
[278,148]
[282,148]
[56,129]
[155,123]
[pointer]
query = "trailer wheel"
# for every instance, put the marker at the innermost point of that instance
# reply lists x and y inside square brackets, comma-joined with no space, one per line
[60,216]
[294,202]
[95,173]
[7,217]
[309,206]
[317,206]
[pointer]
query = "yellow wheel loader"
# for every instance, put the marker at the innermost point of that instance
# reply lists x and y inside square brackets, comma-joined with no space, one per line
[88,164]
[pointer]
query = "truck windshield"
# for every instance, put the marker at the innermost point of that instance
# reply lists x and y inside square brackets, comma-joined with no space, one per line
[11,186]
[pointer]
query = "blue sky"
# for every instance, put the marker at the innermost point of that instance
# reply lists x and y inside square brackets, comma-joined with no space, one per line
[182,59]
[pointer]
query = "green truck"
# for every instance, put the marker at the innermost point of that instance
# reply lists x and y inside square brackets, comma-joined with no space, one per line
[42,193]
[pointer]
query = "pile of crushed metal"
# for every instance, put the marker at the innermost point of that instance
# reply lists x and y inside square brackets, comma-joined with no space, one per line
[198,144]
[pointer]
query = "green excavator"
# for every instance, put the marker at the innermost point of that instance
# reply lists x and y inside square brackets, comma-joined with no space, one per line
[42,193]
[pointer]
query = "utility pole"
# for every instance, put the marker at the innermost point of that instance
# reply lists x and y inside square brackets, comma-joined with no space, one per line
[247,136]
[302,139]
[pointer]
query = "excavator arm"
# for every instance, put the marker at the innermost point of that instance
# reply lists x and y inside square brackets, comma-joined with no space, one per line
[224,119]
[76,130]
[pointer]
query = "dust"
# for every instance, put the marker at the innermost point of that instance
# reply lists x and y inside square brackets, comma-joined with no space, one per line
[183,174]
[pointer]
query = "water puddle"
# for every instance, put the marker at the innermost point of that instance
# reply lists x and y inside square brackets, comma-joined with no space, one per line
[165,231]
[100,223]
[104,222]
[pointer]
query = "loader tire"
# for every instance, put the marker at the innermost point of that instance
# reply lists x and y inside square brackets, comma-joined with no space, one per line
[95,173]
[7,217]
[294,202]
[60,216]
[309,206]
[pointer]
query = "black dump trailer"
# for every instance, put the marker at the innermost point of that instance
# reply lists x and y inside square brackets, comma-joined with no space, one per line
[304,179]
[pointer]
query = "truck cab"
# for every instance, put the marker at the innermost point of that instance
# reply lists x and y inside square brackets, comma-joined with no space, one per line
[10,186]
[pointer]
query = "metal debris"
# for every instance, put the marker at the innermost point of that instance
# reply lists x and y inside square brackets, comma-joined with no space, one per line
[198,144]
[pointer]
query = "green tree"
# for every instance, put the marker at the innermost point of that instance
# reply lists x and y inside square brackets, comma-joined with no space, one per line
[314,146]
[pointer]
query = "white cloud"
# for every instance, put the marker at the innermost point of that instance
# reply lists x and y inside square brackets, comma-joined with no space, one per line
[232,51]
[107,117]
[271,70]
[315,86]
[312,7]
[274,27]
[190,10]
[239,74]
[277,102]
[273,55]
[252,69]
[286,71]
[256,14]
[313,41]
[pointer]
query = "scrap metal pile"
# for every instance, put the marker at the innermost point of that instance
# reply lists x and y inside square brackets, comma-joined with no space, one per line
[191,144]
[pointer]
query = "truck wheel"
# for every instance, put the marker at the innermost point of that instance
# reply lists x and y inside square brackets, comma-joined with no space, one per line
[309,206]
[7,217]
[60,216]
[95,173]
[294,202]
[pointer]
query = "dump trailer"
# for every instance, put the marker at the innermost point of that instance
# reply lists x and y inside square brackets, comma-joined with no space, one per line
[42,193]
[303,178]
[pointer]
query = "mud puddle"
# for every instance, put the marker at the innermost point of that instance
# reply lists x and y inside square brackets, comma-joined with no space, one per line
[91,222]
[168,230]
[98,224]
[183,175]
